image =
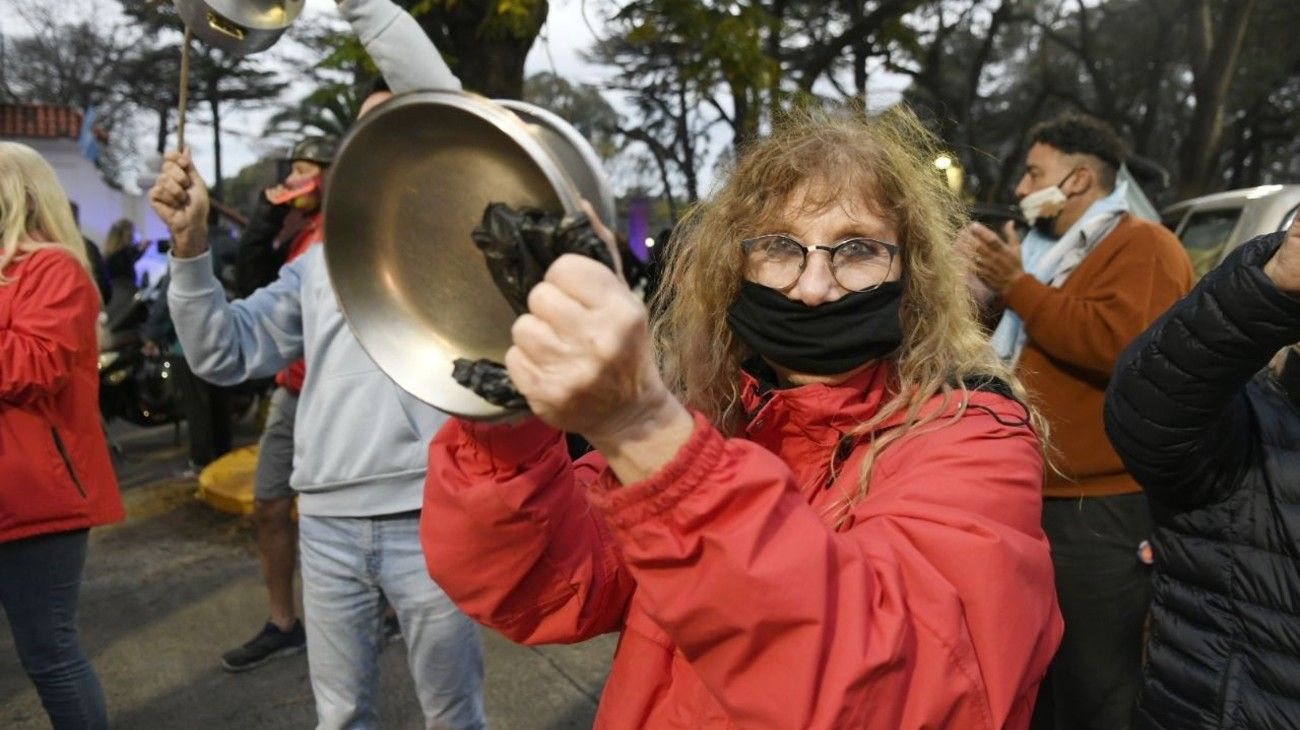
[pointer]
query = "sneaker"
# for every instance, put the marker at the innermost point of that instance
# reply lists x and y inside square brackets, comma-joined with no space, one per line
[392,629]
[270,643]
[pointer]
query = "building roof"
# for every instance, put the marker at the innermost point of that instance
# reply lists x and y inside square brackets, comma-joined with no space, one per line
[43,121]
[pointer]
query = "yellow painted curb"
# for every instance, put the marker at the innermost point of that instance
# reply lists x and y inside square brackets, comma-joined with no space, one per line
[227,483]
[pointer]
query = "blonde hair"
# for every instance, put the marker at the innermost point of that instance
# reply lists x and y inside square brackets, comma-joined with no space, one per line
[829,154]
[34,211]
[120,236]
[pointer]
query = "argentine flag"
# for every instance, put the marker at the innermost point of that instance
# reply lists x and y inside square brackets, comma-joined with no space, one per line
[86,141]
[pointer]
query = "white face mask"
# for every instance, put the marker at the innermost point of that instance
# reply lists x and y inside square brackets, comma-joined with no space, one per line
[1032,205]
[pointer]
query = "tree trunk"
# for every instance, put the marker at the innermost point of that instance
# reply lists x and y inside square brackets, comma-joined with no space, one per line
[666,180]
[1216,45]
[860,53]
[1012,163]
[745,127]
[163,112]
[687,143]
[214,103]
[495,70]
[487,57]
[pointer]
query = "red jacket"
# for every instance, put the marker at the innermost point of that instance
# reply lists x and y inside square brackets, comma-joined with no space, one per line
[55,473]
[739,606]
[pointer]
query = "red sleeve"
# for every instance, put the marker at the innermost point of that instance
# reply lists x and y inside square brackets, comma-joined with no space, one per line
[936,609]
[54,309]
[509,535]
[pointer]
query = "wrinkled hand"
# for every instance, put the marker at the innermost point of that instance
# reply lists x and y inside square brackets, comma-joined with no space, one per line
[180,198]
[582,354]
[996,260]
[1284,267]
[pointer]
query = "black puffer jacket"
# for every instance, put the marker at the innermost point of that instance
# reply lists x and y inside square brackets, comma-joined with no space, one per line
[1215,442]
[259,259]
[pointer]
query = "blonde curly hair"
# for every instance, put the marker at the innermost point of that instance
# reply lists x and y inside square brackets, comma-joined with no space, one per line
[831,153]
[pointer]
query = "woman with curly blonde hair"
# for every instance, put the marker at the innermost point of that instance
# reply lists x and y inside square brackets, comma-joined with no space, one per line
[56,480]
[814,500]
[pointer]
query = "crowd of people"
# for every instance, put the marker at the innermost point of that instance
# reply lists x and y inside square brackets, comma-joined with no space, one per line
[860,462]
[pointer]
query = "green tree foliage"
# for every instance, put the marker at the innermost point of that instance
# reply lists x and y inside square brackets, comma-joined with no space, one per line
[1202,88]
[126,68]
[328,110]
[69,59]
[217,80]
[246,186]
[694,71]
[484,41]
[581,105]
[338,81]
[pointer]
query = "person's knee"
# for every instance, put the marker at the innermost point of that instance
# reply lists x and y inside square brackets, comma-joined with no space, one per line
[48,657]
[272,515]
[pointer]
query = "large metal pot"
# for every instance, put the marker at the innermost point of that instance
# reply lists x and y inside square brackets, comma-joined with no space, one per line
[239,27]
[409,184]
[574,153]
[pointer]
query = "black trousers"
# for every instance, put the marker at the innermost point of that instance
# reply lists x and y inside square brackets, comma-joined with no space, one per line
[207,413]
[1105,593]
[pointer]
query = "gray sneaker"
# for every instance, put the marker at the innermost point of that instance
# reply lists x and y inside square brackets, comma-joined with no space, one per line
[270,643]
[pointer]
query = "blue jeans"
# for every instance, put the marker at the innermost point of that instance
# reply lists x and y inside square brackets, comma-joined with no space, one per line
[349,566]
[40,580]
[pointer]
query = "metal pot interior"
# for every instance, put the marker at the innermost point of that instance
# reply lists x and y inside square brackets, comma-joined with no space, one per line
[409,184]
[573,152]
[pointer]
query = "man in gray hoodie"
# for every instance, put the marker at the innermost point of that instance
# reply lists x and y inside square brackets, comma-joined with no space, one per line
[360,444]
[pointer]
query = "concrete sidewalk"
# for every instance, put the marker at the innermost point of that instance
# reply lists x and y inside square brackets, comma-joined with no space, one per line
[166,592]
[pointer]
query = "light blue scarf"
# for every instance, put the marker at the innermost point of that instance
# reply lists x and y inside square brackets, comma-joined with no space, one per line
[1051,260]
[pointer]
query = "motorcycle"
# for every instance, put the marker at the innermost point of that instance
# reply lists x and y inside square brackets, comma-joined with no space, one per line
[136,386]
[138,383]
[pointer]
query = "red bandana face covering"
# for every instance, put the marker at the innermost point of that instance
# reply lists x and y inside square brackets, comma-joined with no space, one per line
[294,193]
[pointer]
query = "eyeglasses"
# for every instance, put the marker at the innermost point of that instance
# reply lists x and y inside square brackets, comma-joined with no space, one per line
[777,260]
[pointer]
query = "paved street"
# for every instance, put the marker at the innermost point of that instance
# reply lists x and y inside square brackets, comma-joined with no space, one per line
[177,584]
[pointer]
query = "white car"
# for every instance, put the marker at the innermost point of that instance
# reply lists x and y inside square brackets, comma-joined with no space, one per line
[1211,226]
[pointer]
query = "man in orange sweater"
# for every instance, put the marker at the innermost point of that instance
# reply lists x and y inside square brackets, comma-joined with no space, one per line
[1089,278]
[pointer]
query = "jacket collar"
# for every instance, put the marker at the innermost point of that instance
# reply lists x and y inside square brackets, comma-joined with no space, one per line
[822,413]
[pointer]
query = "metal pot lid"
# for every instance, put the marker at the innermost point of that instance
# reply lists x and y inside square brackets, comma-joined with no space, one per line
[211,25]
[259,14]
[409,184]
[576,154]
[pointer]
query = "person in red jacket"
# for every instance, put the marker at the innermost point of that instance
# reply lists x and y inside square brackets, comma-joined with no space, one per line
[814,500]
[56,479]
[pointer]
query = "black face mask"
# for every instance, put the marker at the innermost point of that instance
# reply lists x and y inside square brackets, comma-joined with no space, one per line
[828,339]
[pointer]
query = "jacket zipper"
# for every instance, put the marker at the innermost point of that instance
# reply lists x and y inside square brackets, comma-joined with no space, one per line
[843,450]
[63,454]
